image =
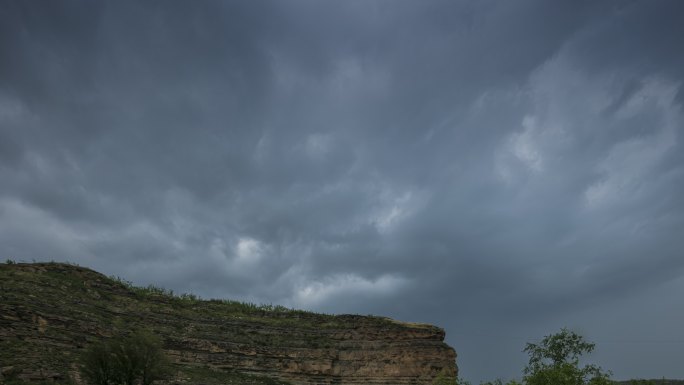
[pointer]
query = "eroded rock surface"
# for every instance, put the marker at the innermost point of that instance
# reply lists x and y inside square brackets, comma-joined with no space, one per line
[50,312]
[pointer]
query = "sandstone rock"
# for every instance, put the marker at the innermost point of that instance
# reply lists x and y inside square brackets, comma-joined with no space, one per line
[50,312]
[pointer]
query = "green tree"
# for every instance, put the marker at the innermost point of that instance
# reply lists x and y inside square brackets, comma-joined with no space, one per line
[97,365]
[152,363]
[555,361]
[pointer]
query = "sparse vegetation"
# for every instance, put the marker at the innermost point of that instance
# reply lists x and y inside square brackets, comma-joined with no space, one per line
[443,379]
[152,291]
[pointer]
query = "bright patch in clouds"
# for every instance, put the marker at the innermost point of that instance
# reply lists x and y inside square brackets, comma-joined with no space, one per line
[314,293]
[318,145]
[396,209]
[248,249]
[525,148]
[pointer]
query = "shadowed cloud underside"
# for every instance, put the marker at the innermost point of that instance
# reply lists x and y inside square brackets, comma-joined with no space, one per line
[500,169]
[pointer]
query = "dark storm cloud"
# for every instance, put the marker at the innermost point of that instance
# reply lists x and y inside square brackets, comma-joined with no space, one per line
[498,168]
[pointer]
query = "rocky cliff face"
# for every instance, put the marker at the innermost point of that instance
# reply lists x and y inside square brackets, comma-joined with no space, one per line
[50,312]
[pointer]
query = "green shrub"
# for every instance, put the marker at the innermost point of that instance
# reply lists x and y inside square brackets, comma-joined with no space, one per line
[138,358]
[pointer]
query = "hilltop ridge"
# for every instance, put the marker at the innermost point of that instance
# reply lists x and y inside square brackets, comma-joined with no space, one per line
[50,312]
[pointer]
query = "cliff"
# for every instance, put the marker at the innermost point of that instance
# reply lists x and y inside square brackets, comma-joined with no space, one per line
[49,312]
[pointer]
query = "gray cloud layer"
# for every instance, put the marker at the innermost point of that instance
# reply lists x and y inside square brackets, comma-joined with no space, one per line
[499,168]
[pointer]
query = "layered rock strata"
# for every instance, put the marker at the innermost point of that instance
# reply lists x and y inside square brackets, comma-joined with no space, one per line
[50,312]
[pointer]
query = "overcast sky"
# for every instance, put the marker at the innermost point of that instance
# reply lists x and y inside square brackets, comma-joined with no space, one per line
[499,168]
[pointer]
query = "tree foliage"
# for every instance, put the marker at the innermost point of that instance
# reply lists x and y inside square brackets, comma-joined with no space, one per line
[134,360]
[97,364]
[498,381]
[555,361]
